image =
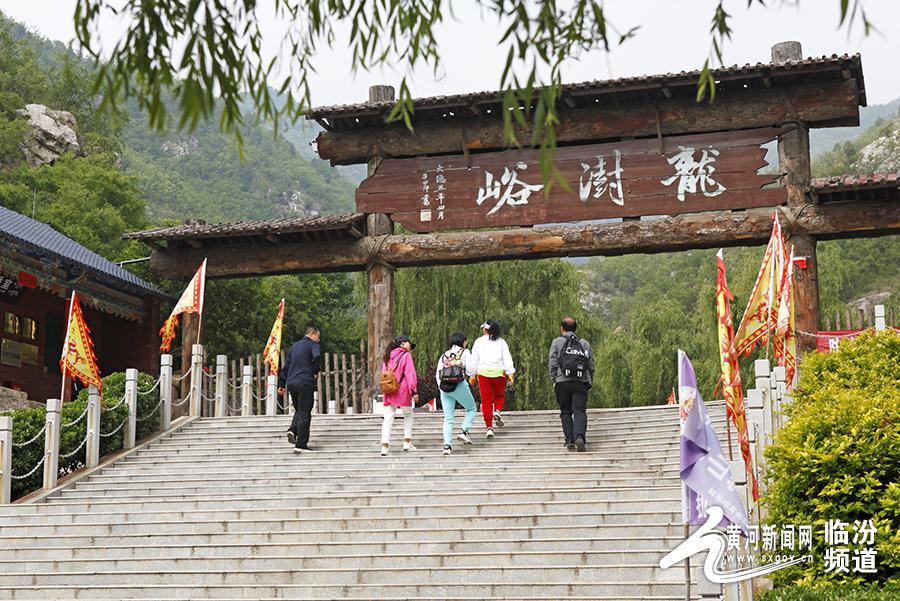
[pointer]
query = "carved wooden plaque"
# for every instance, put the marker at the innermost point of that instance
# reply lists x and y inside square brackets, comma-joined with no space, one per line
[682,174]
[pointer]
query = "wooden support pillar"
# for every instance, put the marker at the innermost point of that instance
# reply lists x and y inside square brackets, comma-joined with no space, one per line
[380,301]
[793,160]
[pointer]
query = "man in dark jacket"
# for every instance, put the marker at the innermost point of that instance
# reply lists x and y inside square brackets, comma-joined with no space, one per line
[298,374]
[572,371]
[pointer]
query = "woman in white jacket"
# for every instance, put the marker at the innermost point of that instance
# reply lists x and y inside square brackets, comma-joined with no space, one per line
[456,360]
[494,367]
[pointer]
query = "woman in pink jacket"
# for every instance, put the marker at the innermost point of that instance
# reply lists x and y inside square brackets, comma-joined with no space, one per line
[398,359]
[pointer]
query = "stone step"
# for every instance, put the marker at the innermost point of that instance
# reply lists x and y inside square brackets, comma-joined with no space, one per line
[291,560]
[661,413]
[389,473]
[463,456]
[81,501]
[610,473]
[450,507]
[585,518]
[299,501]
[430,427]
[564,588]
[371,546]
[173,490]
[515,575]
[429,450]
[418,598]
[362,533]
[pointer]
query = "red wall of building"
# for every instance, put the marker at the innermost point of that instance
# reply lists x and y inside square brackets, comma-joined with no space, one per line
[118,343]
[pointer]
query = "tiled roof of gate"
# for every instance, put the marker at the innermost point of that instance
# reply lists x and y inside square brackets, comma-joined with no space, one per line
[303,228]
[844,65]
[42,241]
[843,182]
[874,186]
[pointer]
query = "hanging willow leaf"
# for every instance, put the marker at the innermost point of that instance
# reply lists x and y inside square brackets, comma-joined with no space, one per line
[208,54]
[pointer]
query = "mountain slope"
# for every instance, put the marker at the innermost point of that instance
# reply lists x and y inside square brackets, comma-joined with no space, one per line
[200,174]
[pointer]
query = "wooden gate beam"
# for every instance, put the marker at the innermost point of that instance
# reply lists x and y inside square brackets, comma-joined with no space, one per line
[684,232]
[822,105]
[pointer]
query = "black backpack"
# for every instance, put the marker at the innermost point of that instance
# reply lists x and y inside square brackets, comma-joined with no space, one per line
[573,360]
[452,373]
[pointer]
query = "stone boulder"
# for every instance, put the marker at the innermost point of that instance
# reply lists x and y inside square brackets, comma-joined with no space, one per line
[50,134]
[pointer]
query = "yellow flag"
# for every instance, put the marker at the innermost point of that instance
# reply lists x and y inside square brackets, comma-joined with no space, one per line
[191,301]
[78,360]
[273,347]
[761,314]
[731,371]
[784,342]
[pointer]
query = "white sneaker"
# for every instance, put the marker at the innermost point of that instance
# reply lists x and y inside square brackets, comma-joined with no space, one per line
[384,451]
[490,433]
[408,446]
[498,419]
[448,450]
[464,436]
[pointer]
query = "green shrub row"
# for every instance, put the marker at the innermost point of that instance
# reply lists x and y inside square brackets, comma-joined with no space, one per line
[838,457]
[28,422]
[851,592]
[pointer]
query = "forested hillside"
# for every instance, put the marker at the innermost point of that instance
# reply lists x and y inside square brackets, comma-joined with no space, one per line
[200,174]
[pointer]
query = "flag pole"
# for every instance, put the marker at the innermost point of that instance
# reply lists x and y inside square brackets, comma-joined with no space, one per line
[684,500]
[202,284]
[62,386]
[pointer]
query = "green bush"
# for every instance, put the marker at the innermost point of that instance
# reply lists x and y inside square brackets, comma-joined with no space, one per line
[838,455]
[28,422]
[834,593]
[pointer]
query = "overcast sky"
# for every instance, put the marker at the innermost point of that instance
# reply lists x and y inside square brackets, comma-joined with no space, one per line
[673,37]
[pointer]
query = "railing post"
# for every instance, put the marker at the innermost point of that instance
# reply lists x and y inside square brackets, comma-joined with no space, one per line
[272,395]
[92,453]
[332,407]
[196,379]
[762,369]
[880,321]
[51,443]
[131,385]
[779,386]
[6,424]
[165,392]
[246,390]
[221,385]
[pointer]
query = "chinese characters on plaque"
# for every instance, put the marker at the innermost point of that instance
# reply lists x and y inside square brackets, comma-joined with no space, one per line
[440,187]
[601,178]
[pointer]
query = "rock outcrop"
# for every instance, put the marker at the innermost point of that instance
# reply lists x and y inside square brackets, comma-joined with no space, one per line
[50,134]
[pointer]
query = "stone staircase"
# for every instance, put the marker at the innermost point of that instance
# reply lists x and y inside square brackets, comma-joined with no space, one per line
[222,509]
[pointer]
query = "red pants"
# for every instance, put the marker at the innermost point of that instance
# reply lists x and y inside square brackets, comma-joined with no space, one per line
[493,393]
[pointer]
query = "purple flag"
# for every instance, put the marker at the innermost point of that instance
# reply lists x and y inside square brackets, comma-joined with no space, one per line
[705,472]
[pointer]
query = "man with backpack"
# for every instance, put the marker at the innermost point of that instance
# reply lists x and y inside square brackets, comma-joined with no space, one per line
[572,371]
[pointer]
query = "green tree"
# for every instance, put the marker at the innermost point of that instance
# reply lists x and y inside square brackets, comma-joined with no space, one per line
[87,199]
[528,298]
[239,313]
